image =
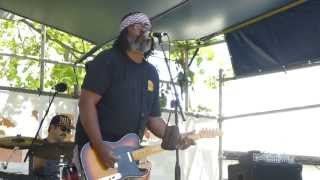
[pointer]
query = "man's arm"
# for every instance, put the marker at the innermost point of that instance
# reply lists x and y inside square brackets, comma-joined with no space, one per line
[89,116]
[89,120]
[157,126]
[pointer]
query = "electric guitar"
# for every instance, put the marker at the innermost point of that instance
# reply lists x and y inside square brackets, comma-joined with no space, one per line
[128,151]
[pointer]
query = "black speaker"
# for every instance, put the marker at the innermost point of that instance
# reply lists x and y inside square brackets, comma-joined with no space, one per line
[264,171]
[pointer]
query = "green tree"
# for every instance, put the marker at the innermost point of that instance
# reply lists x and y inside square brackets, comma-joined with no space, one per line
[23,37]
[188,54]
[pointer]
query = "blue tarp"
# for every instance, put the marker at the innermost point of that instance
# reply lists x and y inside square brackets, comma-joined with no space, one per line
[291,38]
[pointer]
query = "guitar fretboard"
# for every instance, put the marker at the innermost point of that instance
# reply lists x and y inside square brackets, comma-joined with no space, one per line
[146,151]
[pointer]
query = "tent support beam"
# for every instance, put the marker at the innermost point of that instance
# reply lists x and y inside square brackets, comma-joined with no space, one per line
[50,61]
[36,92]
[273,111]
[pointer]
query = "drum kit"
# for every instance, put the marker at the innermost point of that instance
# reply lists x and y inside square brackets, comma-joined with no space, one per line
[62,152]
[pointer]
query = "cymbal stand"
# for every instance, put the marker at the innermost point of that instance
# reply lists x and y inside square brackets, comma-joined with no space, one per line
[61,166]
[29,153]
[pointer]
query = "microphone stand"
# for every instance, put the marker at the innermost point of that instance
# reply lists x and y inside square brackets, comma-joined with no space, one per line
[40,125]
[176,104]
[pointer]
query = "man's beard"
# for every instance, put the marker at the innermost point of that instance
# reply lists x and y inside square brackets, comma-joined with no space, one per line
[140,44]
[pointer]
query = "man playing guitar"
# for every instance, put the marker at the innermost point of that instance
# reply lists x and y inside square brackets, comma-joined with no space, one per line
[120,93]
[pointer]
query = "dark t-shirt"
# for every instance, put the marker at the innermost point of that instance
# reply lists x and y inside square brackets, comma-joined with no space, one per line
[130,93]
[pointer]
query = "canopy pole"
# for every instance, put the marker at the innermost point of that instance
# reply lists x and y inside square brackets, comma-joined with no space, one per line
[254,20]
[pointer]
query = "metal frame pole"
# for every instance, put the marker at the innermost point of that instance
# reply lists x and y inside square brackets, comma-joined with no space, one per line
[186,97]
[42,56]
[220,119]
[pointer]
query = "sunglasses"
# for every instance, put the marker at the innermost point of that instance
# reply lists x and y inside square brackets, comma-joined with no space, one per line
[64,129]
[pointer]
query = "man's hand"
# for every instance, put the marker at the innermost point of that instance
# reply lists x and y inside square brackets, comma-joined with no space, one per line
[106,155]
[173,139]
[185,141]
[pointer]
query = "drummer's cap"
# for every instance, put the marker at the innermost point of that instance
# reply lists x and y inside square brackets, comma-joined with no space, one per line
[62,120]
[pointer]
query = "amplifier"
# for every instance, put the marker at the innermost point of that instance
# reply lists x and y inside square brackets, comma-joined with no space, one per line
[265,171]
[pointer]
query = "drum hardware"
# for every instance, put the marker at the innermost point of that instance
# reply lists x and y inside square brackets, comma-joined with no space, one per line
[67,171]
[61,166]
[6,162]
[53,151]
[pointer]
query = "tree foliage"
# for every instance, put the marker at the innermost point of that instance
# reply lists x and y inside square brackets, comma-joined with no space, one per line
[188,57]
[23,37]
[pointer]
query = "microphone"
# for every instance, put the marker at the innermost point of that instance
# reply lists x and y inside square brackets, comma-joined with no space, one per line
[60,87]
[150,34]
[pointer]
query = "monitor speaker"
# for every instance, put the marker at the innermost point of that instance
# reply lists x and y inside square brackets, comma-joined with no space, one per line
[264,171]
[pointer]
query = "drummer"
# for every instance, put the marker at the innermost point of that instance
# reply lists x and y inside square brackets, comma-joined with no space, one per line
[59,128]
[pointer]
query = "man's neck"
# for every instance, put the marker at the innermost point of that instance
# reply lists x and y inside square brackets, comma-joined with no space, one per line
[136,56]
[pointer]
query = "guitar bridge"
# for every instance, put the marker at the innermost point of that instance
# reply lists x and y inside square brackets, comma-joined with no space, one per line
[112,177]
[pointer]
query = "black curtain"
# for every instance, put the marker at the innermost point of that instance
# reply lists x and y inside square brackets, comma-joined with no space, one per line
[291,38]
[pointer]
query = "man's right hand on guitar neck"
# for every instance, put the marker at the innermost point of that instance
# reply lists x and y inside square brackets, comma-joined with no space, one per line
[106,155]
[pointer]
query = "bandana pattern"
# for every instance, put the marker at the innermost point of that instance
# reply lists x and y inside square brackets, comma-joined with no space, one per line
[134,19]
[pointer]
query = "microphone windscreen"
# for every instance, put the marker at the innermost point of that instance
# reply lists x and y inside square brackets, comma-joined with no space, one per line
[60,87]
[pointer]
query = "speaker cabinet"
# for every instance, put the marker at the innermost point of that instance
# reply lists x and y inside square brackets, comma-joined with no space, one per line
[264,171]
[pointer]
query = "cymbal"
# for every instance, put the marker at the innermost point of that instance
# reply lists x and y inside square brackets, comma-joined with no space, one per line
[53,151]
[18,141]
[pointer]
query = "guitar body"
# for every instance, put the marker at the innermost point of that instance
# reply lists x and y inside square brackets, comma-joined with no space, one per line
[128,151]
[126,165]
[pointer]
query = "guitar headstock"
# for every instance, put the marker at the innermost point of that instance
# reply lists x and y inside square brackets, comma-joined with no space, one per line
[209,133]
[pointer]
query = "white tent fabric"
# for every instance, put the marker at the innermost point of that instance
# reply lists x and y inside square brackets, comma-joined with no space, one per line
[198,162]
[18,107]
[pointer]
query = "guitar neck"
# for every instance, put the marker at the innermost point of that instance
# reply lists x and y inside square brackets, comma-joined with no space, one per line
[146,151]
[195,136]
[150,150]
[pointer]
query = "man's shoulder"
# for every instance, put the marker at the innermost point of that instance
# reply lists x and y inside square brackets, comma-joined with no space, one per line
[107,55]
[105,58]
[152,68]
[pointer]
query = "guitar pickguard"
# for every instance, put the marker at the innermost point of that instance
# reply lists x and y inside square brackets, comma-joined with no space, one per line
[127,167]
